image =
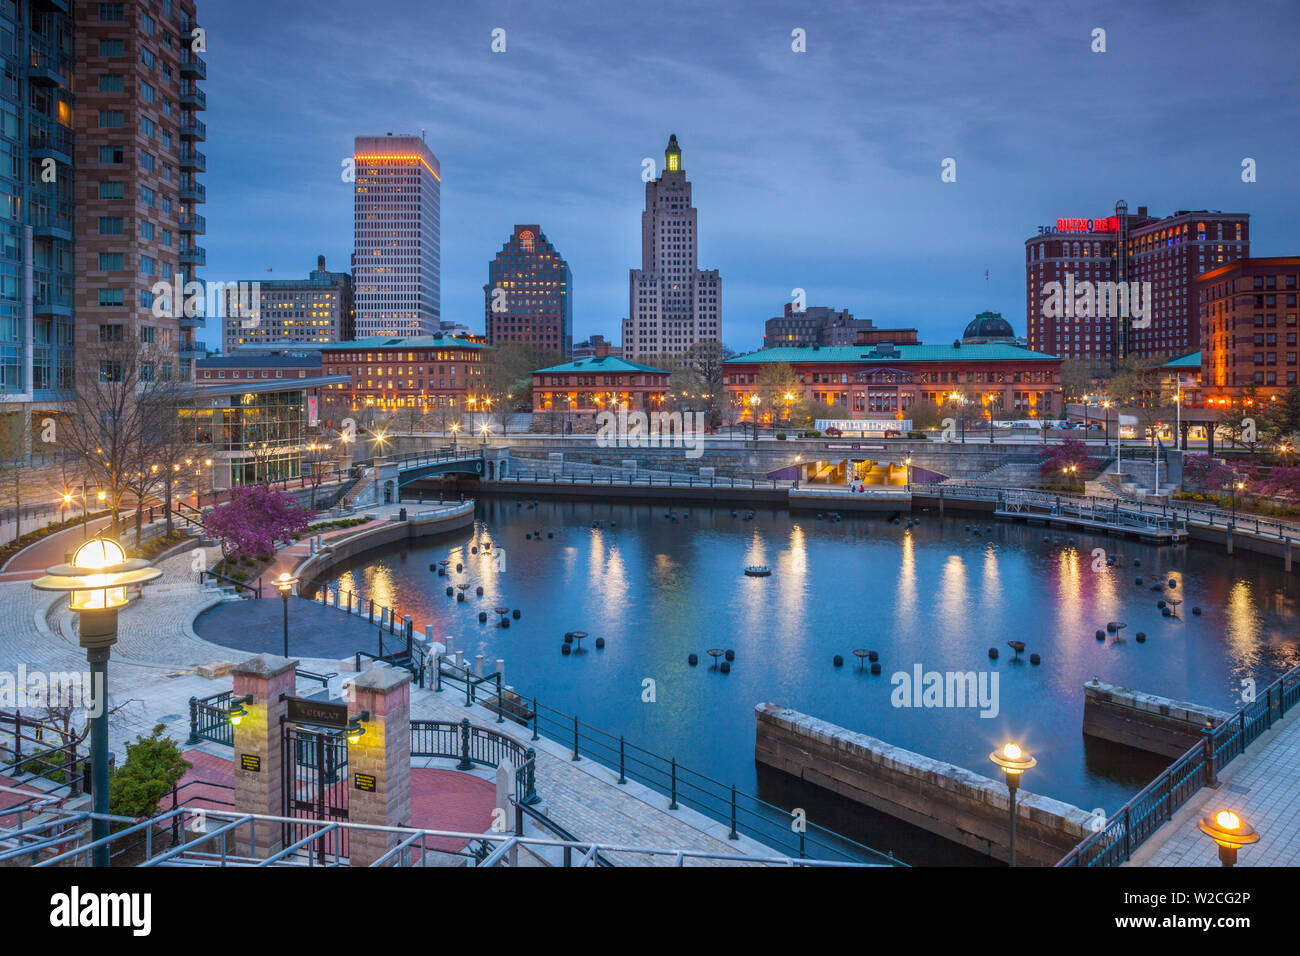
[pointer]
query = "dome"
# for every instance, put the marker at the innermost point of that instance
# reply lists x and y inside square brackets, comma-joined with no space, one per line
[989,327]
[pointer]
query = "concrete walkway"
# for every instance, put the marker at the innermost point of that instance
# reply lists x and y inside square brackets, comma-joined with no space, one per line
[1262,786]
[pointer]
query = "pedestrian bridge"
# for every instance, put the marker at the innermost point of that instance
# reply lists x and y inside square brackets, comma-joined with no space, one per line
[395,473]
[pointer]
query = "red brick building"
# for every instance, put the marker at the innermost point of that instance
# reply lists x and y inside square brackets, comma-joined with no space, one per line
[598,384]
[889,380]
[1248,312]
[1168,252]
[427,373]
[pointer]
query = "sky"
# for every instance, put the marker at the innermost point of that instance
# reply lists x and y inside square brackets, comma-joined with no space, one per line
[818,170]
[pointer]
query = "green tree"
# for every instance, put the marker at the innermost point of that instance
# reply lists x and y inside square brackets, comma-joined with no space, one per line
[510,377]
[1076,379]
[153,766]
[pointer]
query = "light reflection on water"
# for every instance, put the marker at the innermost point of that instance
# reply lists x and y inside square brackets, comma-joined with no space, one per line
[933,594]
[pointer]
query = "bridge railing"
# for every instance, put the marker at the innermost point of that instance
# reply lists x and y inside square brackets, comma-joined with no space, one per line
[1157,802]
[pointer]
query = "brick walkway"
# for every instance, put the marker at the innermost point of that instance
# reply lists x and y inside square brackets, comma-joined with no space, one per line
[1262,786]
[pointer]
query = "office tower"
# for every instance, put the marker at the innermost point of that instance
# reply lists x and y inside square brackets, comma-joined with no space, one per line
[818,325]
[137,76]
[288,311]
[395,266]
[529,295]
[672,303]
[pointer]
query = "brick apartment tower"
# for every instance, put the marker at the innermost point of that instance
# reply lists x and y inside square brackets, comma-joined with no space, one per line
[672,304]
[1168,252]
[138,72]
[396,260]
[536,294]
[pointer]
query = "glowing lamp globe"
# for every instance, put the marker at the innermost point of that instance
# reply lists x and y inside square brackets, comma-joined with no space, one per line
[96,582]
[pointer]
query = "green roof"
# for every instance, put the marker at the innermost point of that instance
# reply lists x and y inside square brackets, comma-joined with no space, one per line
[1190,360]
[900,353]
[413,342]
[600,363]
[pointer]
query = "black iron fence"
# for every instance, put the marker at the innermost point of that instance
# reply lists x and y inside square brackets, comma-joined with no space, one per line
[744,813]
[35,749]
[210,719]
[1157,802]
[477,746]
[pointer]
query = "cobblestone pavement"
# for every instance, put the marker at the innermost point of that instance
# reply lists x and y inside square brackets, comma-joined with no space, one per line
[1262,786]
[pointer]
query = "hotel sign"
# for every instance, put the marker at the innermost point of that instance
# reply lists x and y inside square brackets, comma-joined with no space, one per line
[1108,224]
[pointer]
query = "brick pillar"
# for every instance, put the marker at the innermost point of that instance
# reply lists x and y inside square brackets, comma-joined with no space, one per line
[379,763]
[259,769]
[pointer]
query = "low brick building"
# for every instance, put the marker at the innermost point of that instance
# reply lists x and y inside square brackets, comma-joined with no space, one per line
[603,382]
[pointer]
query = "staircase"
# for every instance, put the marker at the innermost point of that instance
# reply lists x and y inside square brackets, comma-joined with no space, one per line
[1012,474]
[1138,481]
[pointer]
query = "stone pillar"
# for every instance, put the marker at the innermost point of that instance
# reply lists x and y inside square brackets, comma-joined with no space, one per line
[379,763]
[259,767]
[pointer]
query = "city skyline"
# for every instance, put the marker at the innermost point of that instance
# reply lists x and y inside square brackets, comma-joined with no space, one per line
[819,175]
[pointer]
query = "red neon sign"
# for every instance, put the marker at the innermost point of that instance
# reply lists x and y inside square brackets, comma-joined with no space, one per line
[1109,224]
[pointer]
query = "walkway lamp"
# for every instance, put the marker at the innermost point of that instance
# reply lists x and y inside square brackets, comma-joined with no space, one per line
[96,583]
[455,430]
[1230,832]
[67,500]
[284,584]
[1013,762]
[908,462]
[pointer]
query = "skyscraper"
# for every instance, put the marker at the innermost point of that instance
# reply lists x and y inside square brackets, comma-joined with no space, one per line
[290,311]
[529,295]
[672,304]
[137,79]
[395,266]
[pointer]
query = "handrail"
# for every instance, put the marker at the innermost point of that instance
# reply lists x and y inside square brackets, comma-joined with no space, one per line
[236,584]
[765,822]
[1157,802]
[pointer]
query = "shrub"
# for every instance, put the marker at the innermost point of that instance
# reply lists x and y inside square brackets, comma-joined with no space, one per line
[780,436]
[153,766]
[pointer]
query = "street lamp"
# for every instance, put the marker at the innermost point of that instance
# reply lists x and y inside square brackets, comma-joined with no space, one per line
[455,429]
[96,583]
[284,584]
[908,462]
[1237,485]
[1230,832]
[1013,762]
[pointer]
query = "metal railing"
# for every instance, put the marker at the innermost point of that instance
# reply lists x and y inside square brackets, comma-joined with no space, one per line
[225,831]
[210,719]
[745,814]
[477,746]
[254,589]
[1157,802]
[47,756]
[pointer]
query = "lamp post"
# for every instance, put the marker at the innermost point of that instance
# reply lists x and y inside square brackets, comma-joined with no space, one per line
[455,429]
[908,462]
[96,583]
[284,584]
[1013,762]
[1237,485]
[1230,832]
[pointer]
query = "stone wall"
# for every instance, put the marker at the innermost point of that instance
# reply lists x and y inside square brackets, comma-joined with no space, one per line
[944,799]
[1158,725]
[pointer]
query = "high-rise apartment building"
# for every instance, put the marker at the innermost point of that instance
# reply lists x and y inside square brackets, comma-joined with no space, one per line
[529,294]
[288,311]
[672,303]
[1249,313]
[37,180]
[1169,253]
[137,75]
[397,258]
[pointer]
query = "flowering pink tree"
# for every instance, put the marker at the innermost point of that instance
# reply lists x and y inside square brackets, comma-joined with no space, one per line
[1070,453]
[254,519]
[1204,472]
[1282,482]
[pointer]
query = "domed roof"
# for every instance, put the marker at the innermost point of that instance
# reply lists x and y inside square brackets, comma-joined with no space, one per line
[989,326]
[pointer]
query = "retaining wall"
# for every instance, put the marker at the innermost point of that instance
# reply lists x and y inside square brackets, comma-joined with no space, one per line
[944,799]
[1158,725]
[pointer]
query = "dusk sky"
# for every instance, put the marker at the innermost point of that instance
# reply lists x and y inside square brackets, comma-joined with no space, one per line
[818,170]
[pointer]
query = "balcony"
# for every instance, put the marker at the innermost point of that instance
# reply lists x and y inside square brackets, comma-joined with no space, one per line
[53,227]
[191,322]
[52,143]
[53,305]
[193,65]
[58,6]
[193,160]
[191,350]
[195,224]
[44,71]
[194,256]
[193,98]
[194,129]
[193,192]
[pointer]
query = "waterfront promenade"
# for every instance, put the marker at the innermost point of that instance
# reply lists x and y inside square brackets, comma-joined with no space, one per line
[1262,786]
[154,673]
